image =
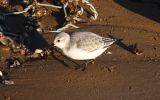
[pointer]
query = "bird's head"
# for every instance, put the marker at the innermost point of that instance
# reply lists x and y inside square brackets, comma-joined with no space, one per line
[61,40]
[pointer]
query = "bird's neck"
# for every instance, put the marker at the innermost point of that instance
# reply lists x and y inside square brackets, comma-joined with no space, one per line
[67,46]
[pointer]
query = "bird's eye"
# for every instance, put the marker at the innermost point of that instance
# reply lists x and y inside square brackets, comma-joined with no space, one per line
[58,40]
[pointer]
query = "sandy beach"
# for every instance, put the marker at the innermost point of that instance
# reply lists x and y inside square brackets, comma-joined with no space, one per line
[121,75]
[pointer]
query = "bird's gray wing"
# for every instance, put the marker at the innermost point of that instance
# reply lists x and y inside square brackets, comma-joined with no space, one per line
[87,41]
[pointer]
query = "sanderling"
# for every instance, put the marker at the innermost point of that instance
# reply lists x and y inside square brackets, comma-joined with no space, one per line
[82,45]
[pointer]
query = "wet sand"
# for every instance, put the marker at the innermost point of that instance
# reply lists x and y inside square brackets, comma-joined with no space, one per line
[119,76]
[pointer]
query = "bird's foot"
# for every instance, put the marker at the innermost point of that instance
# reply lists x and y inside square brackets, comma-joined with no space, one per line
[84,65]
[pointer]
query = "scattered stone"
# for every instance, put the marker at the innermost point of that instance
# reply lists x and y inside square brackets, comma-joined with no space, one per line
[157,55]
[38,51]
[39,30]
[109,53]
[154,48]
[13,62]
[155,38]
[133,48]
[1,74]
[130,88]
[105,69]
[109,69]
[8,82]
[100,20]
[7,98]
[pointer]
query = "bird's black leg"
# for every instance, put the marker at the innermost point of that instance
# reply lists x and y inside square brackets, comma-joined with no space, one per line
[85,64]
[89,62]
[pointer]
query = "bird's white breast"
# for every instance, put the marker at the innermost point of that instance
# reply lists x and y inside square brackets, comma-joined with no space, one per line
[79,54]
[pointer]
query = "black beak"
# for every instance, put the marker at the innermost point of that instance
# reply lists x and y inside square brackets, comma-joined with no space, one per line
[53,44]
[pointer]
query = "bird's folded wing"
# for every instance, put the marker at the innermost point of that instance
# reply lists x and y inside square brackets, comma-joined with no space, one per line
[88,43]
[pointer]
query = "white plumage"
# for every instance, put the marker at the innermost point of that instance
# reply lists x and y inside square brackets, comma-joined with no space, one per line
[82,45]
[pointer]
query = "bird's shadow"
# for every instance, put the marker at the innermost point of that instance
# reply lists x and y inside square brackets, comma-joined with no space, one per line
[129,48]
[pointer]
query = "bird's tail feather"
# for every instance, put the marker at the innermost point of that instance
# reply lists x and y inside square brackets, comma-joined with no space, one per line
[109,41]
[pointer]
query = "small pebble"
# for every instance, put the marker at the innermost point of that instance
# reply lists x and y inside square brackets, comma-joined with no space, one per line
[104,69]
[155,38]
[8,82]
[109,53]
[130,88]
[105,19]
[39,30]
[38,51]
[111,69]
[154,48]
[1,74]
[100,20]
[7,98]
[16,63]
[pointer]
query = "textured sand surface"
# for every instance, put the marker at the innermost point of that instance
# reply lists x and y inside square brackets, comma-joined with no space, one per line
[119,76]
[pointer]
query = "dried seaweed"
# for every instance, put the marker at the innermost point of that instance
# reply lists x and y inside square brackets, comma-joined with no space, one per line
[71,9]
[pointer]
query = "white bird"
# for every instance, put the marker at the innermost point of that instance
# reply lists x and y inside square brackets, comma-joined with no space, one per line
[82,45]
